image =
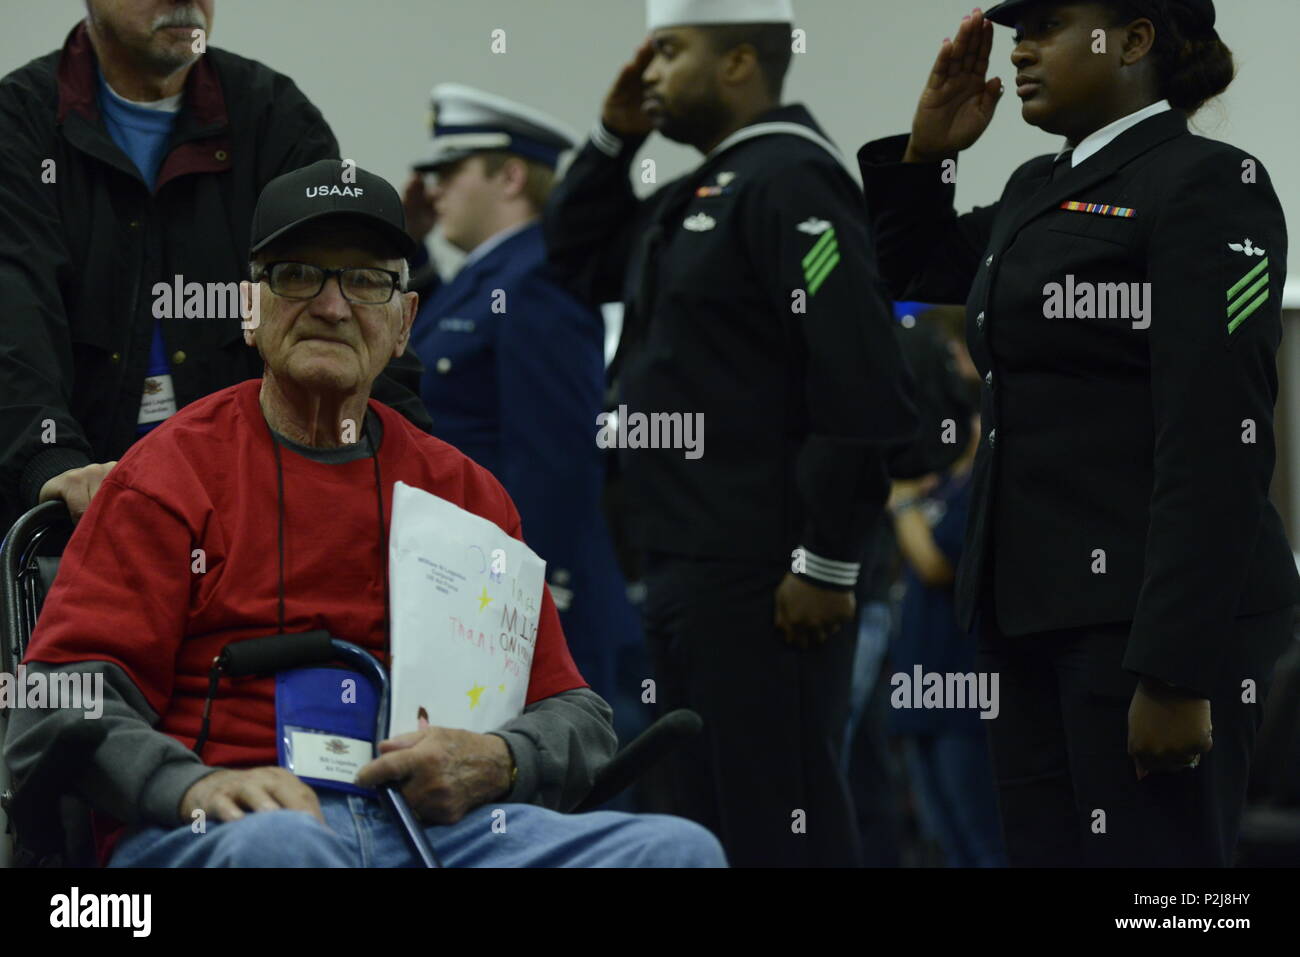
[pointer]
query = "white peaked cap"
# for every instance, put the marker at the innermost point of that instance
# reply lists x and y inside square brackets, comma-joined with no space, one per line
[467,121]
[682,13]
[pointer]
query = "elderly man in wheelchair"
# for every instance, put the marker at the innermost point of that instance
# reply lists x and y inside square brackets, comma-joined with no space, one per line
[261,510]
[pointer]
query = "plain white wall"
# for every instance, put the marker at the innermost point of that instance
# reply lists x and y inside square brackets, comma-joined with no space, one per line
[369,66]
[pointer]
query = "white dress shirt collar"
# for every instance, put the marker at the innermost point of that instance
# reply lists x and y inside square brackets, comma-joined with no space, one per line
[1094,143]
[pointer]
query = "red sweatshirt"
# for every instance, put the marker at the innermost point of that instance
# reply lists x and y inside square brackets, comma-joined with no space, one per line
[133,589]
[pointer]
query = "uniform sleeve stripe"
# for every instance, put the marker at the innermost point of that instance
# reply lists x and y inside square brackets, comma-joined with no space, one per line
[841,578]
[832,579]
[1245,297]
[1232,326]
[831,563]
[830,570]
[605,141]
[810,268]
[828,237]
[1246,279]
[815,282]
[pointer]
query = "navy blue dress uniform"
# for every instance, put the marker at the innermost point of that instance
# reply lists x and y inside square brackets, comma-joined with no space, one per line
[515,380]
[1121,524]
[750,300]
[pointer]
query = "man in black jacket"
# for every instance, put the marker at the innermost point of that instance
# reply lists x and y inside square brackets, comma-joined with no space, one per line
[751,309]
[132,157]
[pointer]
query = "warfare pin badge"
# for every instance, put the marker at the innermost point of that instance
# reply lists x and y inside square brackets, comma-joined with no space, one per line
[1247,247]
[813,226]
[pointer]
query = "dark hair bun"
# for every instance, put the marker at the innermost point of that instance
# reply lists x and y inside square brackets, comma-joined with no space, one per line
[1194,65]
[1199,68]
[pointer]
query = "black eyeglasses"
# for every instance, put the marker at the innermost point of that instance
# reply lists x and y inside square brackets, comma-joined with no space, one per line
[365,285]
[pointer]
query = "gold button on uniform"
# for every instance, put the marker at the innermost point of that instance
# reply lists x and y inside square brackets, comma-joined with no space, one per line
[178,356]
[116,357]
[443,365]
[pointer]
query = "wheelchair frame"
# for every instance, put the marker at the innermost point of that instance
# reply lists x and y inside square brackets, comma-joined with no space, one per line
[28,563]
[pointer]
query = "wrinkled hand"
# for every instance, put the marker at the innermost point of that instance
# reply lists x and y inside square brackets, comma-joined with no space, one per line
[621,113]
[417,205]
[957,104]
[1168,729]
[806,613]
[444,772]
[76,487]
[228,794]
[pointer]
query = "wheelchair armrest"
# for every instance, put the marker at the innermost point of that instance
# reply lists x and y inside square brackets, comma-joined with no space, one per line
[34,807]
[644,752]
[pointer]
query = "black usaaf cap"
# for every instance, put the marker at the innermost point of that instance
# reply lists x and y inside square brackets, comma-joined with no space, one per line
[329,187]
[1007,12]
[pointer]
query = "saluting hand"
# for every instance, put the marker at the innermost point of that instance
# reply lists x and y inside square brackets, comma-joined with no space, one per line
[1168,729]
[622,113]
[958,102]
[417,205]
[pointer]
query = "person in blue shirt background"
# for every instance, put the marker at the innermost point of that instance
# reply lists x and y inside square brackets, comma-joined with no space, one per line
[514,365]
[946,750]
[142,132]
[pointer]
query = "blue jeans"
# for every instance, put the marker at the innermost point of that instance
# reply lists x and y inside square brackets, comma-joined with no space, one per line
[952,778]
[362,832]
[874,621]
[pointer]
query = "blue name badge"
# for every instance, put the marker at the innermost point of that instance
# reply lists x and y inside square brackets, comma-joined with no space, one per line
[325,725]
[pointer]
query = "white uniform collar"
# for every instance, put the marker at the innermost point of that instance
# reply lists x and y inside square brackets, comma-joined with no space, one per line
[1094,143]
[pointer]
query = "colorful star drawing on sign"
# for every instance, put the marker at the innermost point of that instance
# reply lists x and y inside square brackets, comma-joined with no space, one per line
[483,599]
[501,688]
[474,694]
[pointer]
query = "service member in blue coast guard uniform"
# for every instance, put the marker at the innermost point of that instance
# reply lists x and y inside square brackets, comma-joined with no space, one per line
[751,302]
[515,364]
[1131,584]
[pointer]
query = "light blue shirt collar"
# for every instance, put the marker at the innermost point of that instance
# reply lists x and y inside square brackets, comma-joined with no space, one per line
[485,247]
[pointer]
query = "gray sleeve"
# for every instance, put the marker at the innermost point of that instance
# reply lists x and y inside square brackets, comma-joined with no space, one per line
[138,775]
[559,744]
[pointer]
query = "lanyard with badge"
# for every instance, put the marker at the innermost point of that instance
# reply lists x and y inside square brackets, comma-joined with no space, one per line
[324,717]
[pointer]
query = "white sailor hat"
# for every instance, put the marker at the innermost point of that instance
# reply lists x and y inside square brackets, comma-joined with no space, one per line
[682,13]
[466,121]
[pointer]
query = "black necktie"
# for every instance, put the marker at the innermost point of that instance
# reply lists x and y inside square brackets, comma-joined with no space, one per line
[1064,163]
